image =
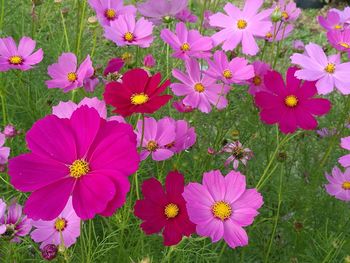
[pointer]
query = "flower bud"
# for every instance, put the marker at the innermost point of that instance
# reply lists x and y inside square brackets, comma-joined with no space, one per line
[49,252]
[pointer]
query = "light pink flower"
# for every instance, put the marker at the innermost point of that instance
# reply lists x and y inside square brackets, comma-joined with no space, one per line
[345,144]
[238,154]
[339,184]
[4,151]
[289,10]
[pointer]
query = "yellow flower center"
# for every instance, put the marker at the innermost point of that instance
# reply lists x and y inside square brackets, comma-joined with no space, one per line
[199,87]
[257,81]
[139,98]
[338,27]
[185,47]
[221,210]
[152,146]
[291,101]
[110,14]
[16,60]
[79,168]
[60,224]
[268,35]
[346,185]
[285,15]
[345,45]
[129,36]
[330,68]
[241,24]
[171,210]
[227,74]
[72,76]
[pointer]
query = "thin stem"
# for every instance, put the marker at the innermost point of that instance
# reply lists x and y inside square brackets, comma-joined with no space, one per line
[279,46]
[202,16]
[81,26]
[2,14]
[65,31]
[94,42]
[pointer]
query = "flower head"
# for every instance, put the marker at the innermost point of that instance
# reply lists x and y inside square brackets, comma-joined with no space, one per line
[21,57]
[237,154]
[164,210]
[113,68]
[292,105]
[340,40]
[331,22]
[4,151]
[339,184]
[257,83]
[49,252]
[221,206]
[181,107]
[345,144]
[149,61]
[289,10]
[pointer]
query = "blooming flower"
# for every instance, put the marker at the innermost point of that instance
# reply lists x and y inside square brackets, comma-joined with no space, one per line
[137,93]
[332,21]
[340,40]
[13,224]
[187,43]
[90,160]
[329,72]
[345,160]
[186,16]
[339,184]
[235,71]
[126,31]
[289,10]
[200,91]
[110,10]
[63,230]
[21,57]
[343,14]
[4,151]
[164,210]
[257,83]
[292,105]
[222,206]
[67,75]
[181,107]
[238,154]
[241,26]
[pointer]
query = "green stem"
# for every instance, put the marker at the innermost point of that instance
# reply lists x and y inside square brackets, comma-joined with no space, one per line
[202,16]
[81,27]
[65,31]
[2,14]
[94,43]
[279,46]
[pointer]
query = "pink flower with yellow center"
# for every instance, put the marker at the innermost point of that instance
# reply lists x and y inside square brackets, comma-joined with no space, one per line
[339,184]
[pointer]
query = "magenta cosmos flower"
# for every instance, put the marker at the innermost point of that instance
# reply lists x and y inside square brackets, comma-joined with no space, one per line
[235,71]
[200,91]
[257,83]
[164,209]
[21,57]
[329,72]
[331,22]
[345,144]
[90,160]
[181,107]
[13,224]
[340,40]
[241,26]
[187,43]
[339,184]
[343,14]
[110,10]
[222,206]
[67,75]
[292,105]
[126,31]
[4,151]
[63,230]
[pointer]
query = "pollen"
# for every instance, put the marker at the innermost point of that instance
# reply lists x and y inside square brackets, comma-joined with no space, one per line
[110,14]
[152,146]
[344,45]
[291,101]
[72,76]
[242,24]
[330,68]
[221,210]
[346,185]
[129,37]
[16,60]
[185,47]
[338,27]
[60,224]
[139,98]
[257,81]
[199,87]
[227,74]
[171,210]
[79,168]
[285,15]
[268,35]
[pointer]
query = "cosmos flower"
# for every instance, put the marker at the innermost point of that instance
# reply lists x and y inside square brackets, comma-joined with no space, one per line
[200,91]
[340,40]
[282,33]
[298,45]
[90,160]
[186,16]
[221,206]
[137,93]
[339,184]
[112,71]
[236,71]
[329,72]
[164,210]
[110,10]
[126,31]
[67,75]
[4,151]
[21,57]
[49,252]
[241,26]
[331,21]
[345,144]
[257,83]
[343,14]
[292,105]
[63,230]
[187,43]
[238,154]
[289,10]
[181,107]
[91,83]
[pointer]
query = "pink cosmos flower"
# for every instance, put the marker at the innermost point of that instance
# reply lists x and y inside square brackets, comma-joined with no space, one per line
[91,83]
[63,230]
[241,26]
[339,184]
[21,57]
[332,21]
[149,61]
[329,72]
[126,31]
[238,154]
[181,107]
[222,206]
[13,224]
[110,10]
[343,14]
[4,151]
[281,34]
[340,40]
[298,45]
[187,43]
[257,83]
[90,160]
[200,91]
[290,12]
[158,136]
[67,75]
[345,160]
[235,71]
[185,15]
[292,105]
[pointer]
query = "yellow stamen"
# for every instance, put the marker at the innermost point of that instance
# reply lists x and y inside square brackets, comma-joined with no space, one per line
[330,68]
[346,185]
[139,98]
[285,15]
[152,146]
[242,24]
[221,210]
[291,101]
[79,168]
[338,27]
[345,45]
[110,14]
[268,35]
[199,87]
[257,81]
[72,76]
[171,210]
[60,224]
[185,47]
[16,60]
[129,36]
[227,74]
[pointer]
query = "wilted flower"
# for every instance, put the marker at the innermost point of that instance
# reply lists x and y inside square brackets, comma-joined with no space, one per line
[49,252]
[237,154]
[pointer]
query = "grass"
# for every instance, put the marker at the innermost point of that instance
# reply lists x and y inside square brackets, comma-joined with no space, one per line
[299,221]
